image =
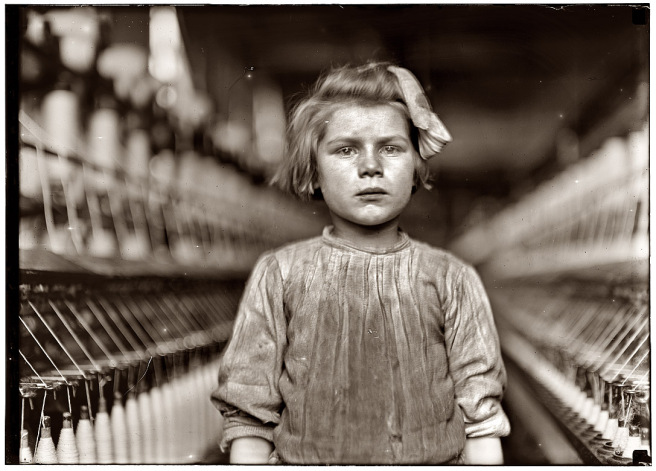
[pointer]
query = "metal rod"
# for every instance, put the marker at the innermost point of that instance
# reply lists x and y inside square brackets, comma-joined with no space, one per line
[189,314]
[22,422]
[47,194]
[132,307]
[173,316]
[86,387]
[73,223]
[200,313]
[631,355]
[74,335]
[622,350]
[139,220]
[90,331]
[601,325]
[138,349]
[38,433]
[617,342]
[61,344]
[587,343]
[170,232]
[43,349]
[167,327]
[137,327]
[116,209]
[636,367]
[108,329]
[95,214]
[32,368]
[613,327]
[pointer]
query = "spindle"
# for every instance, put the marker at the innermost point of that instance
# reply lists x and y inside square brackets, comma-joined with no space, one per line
[137,245]
[103,142]
[119,431]
[45,452]
[103,433]
[85,438]
[60,113]
[25,454]
[67,452]
[159,415]
[604,413]
[613,405]
[147,427]
[169,429]
[103,240]
[133,419]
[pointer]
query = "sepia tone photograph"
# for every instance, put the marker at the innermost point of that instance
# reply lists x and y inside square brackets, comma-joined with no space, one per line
[327,234]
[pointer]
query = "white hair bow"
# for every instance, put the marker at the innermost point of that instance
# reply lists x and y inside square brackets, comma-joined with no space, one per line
[433,135]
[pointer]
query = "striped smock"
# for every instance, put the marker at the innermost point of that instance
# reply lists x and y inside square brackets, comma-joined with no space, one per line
[352,356]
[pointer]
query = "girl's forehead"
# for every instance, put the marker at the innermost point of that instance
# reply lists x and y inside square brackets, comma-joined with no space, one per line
[355,107]
[354,116]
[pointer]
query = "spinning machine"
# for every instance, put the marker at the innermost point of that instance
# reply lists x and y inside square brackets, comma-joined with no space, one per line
[567,271]
[129,282]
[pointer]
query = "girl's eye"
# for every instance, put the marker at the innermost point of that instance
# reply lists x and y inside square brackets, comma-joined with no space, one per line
[346,151]
[390,150]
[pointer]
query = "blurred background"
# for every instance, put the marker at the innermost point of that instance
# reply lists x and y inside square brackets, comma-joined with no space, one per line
[140,140]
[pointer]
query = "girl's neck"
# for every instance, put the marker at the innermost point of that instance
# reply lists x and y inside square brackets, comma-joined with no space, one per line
[380,237]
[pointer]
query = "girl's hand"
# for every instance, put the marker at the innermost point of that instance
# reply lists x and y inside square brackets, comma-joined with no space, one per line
[483,450]
[250,450]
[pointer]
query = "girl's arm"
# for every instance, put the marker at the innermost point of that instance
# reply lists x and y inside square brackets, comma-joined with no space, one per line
[248,396]
[476,368]
[250,450]
[483,451]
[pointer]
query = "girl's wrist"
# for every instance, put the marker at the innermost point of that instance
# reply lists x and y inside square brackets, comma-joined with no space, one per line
[483,451]
[250,450]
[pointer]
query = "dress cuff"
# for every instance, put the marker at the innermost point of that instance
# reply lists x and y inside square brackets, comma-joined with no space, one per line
[495,426]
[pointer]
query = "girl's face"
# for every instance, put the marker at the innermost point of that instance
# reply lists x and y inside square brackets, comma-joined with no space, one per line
[366,166]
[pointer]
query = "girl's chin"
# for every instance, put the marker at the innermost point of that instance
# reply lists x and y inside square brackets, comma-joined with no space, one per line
[368,223]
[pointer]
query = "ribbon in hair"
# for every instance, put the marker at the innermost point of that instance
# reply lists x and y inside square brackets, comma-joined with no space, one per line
[433,135]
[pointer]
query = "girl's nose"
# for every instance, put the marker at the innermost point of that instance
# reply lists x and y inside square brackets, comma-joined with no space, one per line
[369,165]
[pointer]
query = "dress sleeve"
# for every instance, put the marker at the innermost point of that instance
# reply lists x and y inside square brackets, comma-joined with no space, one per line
[474,354]
[251,365]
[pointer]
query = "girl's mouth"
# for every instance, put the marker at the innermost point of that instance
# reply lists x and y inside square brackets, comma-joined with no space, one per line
[373,191]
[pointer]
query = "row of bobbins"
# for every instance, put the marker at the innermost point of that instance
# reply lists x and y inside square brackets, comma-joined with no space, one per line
[154,342]
[188,208]
[591,356]
[170,420]
[614,422]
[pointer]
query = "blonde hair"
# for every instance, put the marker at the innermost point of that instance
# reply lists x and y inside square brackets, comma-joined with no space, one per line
[367,85]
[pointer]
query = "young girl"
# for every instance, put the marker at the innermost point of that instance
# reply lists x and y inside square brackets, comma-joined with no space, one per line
[362,346]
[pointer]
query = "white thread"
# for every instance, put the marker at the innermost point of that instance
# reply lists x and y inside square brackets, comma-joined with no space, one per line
[86,444]
[66,447]
[46,452]
[119,430]
[133,419]
[147,427]
[103,434]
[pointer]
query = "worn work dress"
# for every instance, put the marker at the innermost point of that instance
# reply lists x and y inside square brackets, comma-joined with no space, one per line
[344,355]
